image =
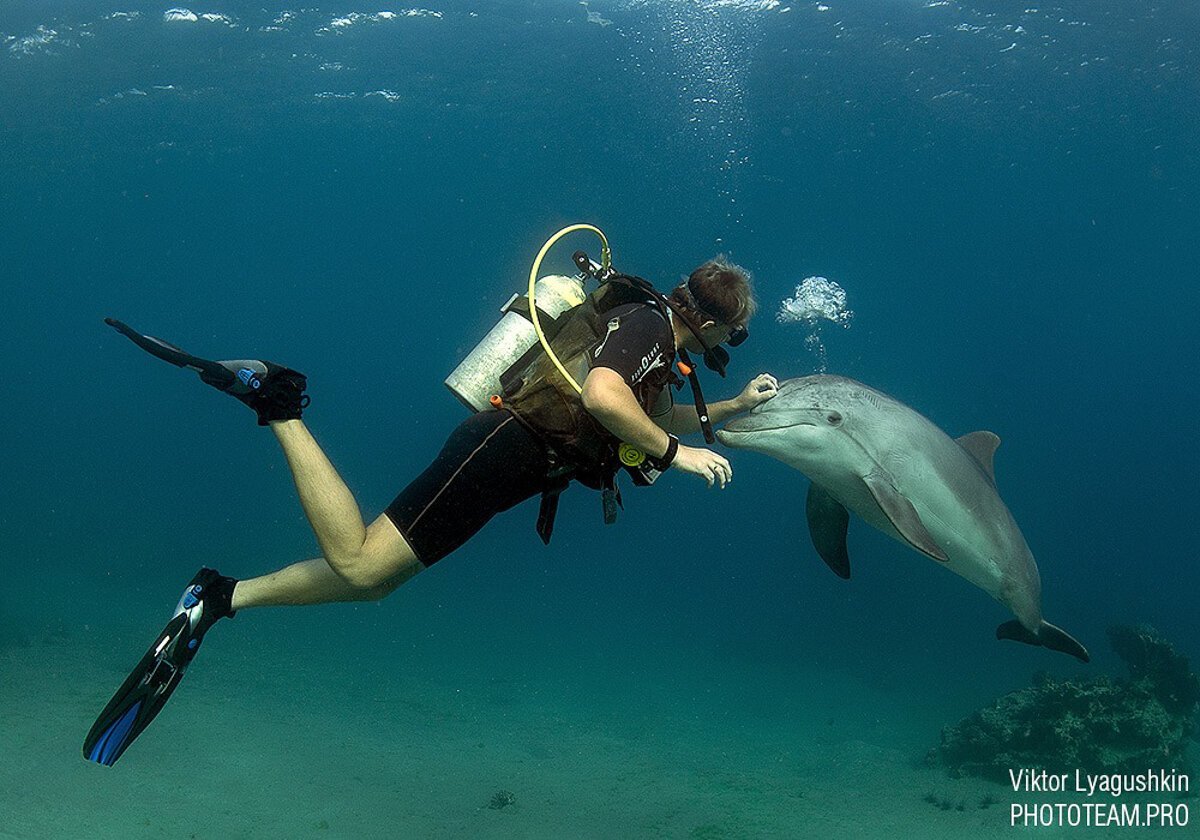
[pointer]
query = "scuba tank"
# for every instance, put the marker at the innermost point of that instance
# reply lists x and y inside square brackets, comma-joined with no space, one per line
[477,378]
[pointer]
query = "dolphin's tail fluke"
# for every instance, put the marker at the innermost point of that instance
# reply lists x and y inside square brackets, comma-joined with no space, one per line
[1048,635]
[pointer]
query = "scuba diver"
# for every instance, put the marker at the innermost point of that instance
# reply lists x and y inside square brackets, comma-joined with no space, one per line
[589,396]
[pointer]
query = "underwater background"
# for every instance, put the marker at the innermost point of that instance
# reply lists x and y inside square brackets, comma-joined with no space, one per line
[1008,193]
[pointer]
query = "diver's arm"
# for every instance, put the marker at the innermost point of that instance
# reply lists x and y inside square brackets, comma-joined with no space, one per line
[607,398]
[683,419]
[610,400]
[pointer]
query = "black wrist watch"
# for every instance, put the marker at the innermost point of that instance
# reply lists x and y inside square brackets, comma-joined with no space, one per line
[664,463]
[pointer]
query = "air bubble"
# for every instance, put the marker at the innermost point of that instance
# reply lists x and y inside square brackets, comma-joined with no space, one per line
[817,300]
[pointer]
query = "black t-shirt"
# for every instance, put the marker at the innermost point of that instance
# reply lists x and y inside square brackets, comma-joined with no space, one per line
[639,344]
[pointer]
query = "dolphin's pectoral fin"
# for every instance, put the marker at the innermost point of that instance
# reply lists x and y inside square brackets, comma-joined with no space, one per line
[982,447]
[828,522]
[1058,639]
[1016,631]
[903,515]
[1048,635]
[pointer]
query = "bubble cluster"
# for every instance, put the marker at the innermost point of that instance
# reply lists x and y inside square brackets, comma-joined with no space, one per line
[816,300]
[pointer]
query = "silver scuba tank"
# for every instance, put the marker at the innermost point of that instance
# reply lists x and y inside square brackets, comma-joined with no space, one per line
[477,378]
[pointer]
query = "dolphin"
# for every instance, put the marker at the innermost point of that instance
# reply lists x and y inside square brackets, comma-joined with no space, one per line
[867,453]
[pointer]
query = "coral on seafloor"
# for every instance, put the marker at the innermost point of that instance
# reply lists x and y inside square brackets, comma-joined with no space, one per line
[501,799]
[1102,724]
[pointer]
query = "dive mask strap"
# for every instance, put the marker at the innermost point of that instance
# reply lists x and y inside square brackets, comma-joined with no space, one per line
[689,370]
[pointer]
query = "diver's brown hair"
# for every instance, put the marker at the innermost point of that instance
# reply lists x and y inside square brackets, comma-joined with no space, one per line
[719,290]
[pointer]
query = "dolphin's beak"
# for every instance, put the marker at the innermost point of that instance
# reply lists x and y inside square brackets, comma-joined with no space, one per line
[765,421]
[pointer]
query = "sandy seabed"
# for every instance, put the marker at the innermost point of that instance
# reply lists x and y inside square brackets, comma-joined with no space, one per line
[264,739]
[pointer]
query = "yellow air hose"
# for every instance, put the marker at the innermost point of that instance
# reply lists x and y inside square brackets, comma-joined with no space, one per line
[605,263]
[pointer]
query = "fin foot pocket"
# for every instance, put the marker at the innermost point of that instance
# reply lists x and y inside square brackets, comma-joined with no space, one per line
[276,394]
[273,391]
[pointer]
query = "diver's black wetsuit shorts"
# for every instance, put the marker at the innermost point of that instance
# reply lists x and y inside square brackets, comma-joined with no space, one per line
[490,463]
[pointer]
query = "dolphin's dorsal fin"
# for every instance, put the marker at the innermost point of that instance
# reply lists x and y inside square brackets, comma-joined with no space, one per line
[982,447]
[828,521]
[903,516]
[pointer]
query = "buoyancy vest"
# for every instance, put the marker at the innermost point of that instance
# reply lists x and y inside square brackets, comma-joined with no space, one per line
[538,394]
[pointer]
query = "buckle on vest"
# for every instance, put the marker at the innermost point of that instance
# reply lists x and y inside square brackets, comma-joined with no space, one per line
[548,511]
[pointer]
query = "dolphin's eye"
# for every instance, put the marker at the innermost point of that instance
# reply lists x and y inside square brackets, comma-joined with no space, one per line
[834,418]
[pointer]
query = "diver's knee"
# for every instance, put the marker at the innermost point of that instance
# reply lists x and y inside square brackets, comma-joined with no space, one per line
[359,576]
[373,595]
[376,593]
[381,590]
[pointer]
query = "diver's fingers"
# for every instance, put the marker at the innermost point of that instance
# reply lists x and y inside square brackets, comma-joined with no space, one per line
[720,471]
[761,388]
[767,382]
[709,465]
[722,476]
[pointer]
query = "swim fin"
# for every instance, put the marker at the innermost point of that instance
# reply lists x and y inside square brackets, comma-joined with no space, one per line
[145,691]
[273,391]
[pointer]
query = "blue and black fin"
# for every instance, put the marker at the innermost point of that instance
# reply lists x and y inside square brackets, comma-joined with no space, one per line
[138,700]
[146,690]
[273,391]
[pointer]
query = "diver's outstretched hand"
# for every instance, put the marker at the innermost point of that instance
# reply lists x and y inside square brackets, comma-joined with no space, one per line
[760,389]
[709,465]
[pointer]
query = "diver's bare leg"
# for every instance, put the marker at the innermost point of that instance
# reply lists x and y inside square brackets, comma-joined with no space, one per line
[359,563]
[363,557]
[306,582]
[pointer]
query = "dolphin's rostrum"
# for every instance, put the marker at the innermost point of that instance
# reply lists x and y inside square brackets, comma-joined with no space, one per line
[867,453]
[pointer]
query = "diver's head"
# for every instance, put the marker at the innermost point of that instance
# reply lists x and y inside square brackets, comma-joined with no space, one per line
[718,302]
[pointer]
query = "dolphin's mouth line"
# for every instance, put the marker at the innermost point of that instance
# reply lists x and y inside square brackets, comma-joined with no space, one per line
[767,428]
